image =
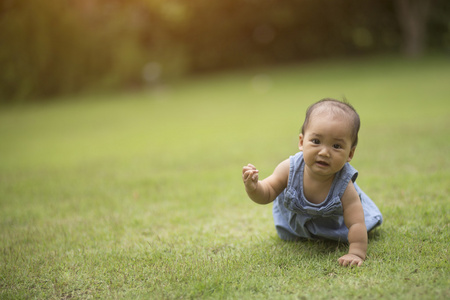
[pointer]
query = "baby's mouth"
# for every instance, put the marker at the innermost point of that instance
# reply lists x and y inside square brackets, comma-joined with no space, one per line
[322,163]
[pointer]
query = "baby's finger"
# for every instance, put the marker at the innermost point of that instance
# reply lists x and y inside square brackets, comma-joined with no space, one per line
[248,174]
[354,263]
[255,175]
[343,262]
[247,168]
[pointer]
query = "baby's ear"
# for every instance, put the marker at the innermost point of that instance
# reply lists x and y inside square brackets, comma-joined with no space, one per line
[300,142]
[350,155]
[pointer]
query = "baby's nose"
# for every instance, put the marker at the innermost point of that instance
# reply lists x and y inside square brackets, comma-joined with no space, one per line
[324,152]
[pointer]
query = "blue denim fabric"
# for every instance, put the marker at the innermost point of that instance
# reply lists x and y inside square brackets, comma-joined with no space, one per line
[295,217]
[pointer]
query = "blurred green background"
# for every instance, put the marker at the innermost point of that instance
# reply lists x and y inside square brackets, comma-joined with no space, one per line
[50,48]
[128,183]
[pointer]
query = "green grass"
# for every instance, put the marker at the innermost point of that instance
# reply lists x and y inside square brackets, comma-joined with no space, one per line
[140,196]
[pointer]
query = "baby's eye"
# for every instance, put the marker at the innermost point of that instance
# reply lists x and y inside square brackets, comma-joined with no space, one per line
[337,146]
[315,141]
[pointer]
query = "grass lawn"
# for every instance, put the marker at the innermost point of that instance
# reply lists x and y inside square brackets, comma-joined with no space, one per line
[140,196]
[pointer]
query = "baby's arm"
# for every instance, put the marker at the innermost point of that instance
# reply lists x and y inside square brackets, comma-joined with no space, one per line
[265,191]
[357,232]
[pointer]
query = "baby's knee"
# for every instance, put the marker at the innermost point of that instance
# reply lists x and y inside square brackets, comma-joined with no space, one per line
[285,234]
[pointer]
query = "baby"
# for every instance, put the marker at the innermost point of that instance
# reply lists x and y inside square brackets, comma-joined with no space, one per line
[314,191]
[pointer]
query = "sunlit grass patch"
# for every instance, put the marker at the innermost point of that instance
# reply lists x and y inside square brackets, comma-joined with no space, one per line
[140,195]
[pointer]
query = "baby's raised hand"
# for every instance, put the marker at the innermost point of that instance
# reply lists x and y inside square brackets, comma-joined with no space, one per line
[350,260]
[250,177]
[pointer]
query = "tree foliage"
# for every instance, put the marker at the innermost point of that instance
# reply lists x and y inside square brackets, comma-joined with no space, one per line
[53,47]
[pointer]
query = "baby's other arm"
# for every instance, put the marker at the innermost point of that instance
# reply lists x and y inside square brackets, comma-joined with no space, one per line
[357,231]
[265,191]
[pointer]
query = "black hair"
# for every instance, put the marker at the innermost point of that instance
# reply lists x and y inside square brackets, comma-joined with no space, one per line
[336,107]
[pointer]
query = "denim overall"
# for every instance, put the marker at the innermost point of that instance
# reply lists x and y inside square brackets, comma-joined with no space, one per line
[295,217]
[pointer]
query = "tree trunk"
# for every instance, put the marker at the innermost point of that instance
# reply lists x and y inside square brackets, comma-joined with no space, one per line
[413,17]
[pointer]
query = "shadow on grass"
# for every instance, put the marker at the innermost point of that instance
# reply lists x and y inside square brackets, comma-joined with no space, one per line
[319,251]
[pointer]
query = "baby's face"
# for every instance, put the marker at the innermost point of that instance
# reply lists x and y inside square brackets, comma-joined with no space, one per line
[327,143]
